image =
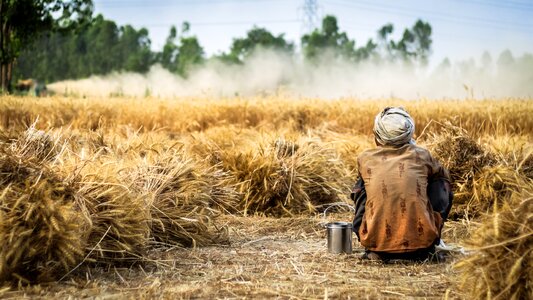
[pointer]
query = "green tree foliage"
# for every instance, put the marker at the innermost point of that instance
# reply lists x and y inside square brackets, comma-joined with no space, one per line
[167,57]
[190,53]
[23,20]
[368,51]
[384,40]
[180,55]
[415,44]
[96,48]
[134,49]
[256,38]
[506,59]
[328,37]
[100,47]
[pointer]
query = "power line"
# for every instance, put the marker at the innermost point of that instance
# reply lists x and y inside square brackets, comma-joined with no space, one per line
[501,4]
[222,23]
[445,18]
[444,15]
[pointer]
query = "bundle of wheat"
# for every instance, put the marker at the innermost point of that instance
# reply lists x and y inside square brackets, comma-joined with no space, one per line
[37,143]
[493,184]
[211,144]
[462,156]
[41,228]
[265,181]
[119,229]
[279,177]
[349,146]
[224,195]
[459,153]
[525,167]
[179,195]
[513,151]
[501,264]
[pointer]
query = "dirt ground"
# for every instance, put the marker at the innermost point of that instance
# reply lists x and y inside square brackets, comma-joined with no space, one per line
[267,258]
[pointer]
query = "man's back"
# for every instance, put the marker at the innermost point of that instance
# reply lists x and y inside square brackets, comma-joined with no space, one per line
[398,215]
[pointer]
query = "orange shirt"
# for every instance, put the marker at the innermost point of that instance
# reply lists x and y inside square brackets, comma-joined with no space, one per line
[398,215]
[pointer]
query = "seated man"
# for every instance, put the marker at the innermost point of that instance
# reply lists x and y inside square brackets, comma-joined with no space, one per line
[395,217]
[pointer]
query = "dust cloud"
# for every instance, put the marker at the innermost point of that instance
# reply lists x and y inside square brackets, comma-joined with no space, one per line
[268,72]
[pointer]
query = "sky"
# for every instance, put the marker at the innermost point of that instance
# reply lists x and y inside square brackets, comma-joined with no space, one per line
[462,29]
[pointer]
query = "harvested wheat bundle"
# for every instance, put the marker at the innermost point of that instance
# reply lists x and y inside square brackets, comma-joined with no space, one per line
[37,143]
[180,199]
[209,149]
[501,264]
[41,228]
[264,181]
[462,156]
[126,141]
[224,195]
[280,177]
[513,151]
[459,153]
[88,141]
[349,146]
[211,144]
[525,167]
[119,219]
[492,185]
[204,148]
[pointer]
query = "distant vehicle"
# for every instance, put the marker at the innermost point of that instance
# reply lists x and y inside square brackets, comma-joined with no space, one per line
[31,87]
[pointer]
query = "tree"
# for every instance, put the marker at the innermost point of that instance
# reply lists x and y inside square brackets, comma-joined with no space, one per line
[486,59]
[23,20]
[189,53]
[486,63]
[170,50]
[384,41]
[415,43]
[102,38]
[178,58]
[134,49]
[367,51]
[256,38]
[95,48]
[422,40]
[506,59]
[328,37]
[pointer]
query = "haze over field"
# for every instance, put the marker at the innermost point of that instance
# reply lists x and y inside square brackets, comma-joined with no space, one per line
[268,72]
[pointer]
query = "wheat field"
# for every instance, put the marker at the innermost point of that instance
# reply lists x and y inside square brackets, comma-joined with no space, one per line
[224,198]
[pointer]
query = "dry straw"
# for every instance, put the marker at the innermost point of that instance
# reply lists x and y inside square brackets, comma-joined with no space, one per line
[119,220]
[465,159]
[282,177]
[132,189]
[481,178]
[180,196]
[41,227]
[501,263]
[499,116]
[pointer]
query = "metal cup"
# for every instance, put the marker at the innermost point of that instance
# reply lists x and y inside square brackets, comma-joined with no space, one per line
[339,237]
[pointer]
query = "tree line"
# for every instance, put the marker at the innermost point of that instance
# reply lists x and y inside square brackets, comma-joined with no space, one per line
[78,44]
[23,21]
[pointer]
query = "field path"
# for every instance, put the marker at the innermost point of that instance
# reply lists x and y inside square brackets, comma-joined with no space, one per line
[267,258]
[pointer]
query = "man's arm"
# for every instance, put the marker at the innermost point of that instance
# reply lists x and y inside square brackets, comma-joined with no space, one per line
[358,195]
[439,188]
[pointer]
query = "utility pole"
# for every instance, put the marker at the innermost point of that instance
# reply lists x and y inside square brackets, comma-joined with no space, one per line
[310,15]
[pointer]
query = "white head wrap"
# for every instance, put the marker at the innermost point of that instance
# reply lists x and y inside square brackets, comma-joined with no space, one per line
[394,127]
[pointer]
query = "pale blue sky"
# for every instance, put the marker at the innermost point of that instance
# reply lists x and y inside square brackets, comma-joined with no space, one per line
[461,28]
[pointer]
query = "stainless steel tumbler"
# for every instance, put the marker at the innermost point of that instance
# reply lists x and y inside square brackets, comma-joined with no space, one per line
[339,237]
